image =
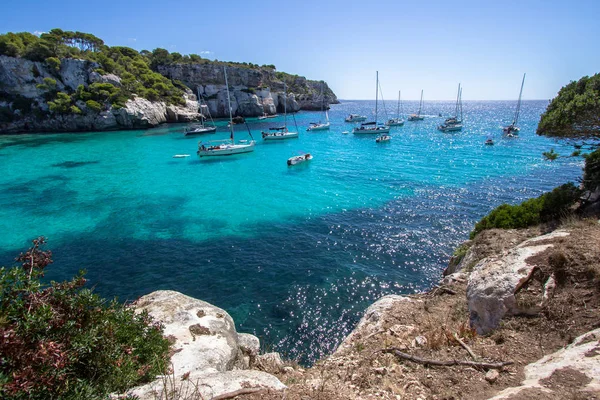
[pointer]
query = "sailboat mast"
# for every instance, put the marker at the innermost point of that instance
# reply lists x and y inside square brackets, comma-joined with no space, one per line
[457,98]
[420,104]
[376,95]
[398,104]
[518,111]
[228,104]
[460,102]
[284,105]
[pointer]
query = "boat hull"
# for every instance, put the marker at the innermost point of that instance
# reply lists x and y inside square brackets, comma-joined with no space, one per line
[416,118]
[513,130]
[200,131]
[226,150]
[371,131]
[394,122]
[298,159]
[320,127]
[452,128]
[355,119]
[272,136]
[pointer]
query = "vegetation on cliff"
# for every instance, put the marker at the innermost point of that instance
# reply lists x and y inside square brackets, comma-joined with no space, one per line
[60,340]
[575,111]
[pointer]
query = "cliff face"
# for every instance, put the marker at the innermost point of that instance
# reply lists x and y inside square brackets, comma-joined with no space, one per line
[24,103]
[255,91]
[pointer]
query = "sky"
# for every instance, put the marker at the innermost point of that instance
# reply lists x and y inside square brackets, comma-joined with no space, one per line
[430,45]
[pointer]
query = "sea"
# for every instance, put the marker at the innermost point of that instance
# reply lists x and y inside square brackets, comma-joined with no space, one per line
[294,254]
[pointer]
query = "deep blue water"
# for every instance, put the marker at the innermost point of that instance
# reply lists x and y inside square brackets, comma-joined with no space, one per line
[294,254]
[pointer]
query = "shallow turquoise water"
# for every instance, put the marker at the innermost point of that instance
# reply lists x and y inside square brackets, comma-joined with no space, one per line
[293,253]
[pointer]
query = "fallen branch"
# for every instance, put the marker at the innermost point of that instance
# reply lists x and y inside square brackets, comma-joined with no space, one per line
[448,363]
[239,392]
[464,345]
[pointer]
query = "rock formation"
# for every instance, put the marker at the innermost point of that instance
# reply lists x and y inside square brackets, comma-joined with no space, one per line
[209,357]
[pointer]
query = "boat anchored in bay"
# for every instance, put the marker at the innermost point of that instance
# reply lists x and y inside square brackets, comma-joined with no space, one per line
[372,127]
[226,147]
[513,129]
[281,132]
[397,121]
[454,124]
[320,126]
[418,116]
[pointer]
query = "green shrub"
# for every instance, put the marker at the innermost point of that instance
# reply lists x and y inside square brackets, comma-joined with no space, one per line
[93,105]
[53,62]
[591,171]
[62,341]
[61,104]
[547,207]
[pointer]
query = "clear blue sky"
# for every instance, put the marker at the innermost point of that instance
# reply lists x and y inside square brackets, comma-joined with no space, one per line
[430,45]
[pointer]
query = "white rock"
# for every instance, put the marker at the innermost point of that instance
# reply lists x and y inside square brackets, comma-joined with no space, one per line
[583,355]
[494,282]
[492,375]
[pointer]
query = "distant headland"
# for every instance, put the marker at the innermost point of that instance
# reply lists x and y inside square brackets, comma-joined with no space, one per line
[66,81]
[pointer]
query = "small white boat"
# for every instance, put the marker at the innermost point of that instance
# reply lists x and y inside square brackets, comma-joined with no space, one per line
[181,155]
[355,118]
[199,129]
[396,121]
[370,128]
[279,133]
[383,138]
[265,116]
[299,159]
[346,132]
[417,116]
[512,130]
[454,124]
[225,147]
[320,126]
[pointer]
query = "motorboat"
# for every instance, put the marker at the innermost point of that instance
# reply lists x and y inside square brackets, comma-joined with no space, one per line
[489,142]
[299,159]
[355,118]
[383,138]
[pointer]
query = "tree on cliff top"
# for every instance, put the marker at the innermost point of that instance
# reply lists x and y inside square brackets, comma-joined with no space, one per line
[575,111]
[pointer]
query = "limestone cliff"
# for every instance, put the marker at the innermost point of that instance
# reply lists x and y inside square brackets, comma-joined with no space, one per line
[256,90]
[24,100]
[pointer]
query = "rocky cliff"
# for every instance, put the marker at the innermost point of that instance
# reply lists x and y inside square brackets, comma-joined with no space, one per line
[27,88]
[24,98]
[256,90]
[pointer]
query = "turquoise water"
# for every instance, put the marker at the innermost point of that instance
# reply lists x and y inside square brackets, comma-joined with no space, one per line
[295,254]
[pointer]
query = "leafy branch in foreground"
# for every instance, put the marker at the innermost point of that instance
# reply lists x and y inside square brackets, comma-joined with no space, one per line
[60,340]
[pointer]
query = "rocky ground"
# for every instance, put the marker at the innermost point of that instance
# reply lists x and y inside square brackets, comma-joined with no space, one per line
[517,318]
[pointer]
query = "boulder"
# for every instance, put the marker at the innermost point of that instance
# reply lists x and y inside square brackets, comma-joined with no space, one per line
[206,347]
[495,280]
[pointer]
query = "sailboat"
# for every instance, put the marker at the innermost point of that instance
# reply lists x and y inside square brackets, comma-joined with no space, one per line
[281,132]
[417,116]
[226,147]
[202,127]
[454,124]
[314,126]
[372,127]
[396,121]
[513,129]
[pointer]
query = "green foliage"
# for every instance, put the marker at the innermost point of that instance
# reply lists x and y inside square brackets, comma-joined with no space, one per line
[61,104]
[62,341]
[591,171]
[575,111]
[53,62]
[550,155]
[545,208]
[93,105]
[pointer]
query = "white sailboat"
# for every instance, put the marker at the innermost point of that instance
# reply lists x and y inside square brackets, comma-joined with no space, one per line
[372,127]
[397,121]
[225,147]
[417,116]
[201,128]
[320,126]
[454,124]
[513,129]
[281,132]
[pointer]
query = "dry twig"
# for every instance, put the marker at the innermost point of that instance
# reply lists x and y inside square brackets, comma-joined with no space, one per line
[448,363]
